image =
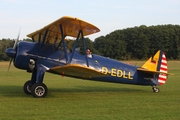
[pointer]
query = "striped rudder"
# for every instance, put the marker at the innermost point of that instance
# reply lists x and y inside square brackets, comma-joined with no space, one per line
[163,68]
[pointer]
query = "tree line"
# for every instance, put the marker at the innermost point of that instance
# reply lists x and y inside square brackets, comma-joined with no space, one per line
[137,43]
[140,42]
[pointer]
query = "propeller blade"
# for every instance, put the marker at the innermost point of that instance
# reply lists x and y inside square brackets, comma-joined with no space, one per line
[15,44]
[10,64]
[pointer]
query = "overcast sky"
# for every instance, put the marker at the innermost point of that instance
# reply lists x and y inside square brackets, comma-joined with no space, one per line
[108,15]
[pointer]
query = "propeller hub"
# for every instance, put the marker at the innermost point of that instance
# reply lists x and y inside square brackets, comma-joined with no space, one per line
[11,52]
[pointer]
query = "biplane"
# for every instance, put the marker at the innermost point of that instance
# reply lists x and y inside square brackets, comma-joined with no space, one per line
[48,53]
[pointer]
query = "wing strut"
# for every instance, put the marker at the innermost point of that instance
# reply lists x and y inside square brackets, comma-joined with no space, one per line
[33,39]
[83,41]
[74,47]
[64,44]
[39,38]
[75,44]
[44,38]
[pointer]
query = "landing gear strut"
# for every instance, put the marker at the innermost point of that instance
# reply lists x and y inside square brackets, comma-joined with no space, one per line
[155,89]
[35,86]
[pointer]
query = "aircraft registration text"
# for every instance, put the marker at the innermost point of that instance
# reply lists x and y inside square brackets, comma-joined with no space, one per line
[117,73]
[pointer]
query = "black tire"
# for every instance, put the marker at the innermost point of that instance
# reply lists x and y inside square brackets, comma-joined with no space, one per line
[39,90]
[27,87]
[156,90]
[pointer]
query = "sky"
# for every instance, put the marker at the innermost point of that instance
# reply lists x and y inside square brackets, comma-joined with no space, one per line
[28,16]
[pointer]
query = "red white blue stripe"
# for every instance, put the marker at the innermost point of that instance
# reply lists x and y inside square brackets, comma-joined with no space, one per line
[163,68]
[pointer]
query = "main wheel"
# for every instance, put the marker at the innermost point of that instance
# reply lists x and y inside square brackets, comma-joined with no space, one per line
[27,87]
[156,90]
[39,90]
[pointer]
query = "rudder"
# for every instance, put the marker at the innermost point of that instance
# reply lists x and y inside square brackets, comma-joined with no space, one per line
[163,68]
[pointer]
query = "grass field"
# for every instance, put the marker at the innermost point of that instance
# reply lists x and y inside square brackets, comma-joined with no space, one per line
[77,99]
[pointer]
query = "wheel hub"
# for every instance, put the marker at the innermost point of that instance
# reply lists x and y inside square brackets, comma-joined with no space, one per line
[39,91]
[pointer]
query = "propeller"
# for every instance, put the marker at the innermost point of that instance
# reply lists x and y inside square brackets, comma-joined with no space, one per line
[11,52]
[15,44]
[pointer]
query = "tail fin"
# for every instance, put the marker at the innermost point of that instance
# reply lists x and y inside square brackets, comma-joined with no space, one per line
[157,64]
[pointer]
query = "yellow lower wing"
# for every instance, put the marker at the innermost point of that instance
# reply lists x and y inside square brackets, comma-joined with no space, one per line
[76,70]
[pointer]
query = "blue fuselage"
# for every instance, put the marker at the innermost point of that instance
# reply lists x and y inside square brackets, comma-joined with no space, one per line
[50,57]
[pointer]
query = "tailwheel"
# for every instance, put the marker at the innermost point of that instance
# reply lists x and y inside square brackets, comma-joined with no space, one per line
[27,87]
[155,89]
[39,90]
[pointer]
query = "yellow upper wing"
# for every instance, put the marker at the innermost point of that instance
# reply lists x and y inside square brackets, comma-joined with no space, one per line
[70,25]
[76,70]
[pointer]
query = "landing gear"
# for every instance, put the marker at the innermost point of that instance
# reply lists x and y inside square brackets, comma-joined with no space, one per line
[39,90]
[27,87]
[155,89]
[35,86]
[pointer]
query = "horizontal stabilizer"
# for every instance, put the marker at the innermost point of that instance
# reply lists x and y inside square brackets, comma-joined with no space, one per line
[76,70]
[150,71]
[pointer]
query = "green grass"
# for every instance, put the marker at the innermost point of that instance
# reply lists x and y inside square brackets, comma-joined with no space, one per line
[77,99]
